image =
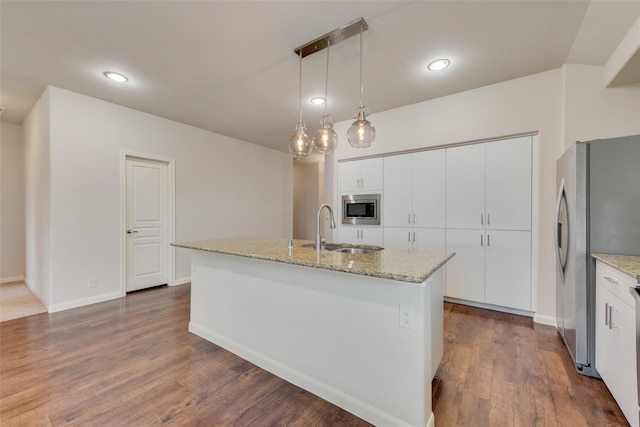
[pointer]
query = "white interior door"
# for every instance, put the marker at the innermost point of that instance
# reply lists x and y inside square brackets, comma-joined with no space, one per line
[146,223]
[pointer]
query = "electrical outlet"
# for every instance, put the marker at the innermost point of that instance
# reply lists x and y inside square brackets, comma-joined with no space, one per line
[93,282]
[407,316]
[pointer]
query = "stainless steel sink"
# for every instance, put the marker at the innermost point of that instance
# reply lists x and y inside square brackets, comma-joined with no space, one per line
[346,248]
[357,250]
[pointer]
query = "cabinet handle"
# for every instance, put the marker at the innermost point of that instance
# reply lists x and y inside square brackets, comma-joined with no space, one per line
[362,183]
[414,218]
[606,314]
[408,236]
[481,240]
[611,280]
[488,219]
[414,236]
[481,219]
[488,239]
[610,317]
[362,234]
[408,218]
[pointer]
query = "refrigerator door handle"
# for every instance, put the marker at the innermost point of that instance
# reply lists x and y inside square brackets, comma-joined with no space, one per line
[558,225]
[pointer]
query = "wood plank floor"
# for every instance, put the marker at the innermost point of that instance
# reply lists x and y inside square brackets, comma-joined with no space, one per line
[131,362]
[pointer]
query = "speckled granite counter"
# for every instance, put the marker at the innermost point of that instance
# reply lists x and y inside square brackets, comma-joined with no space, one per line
[628,264]
[406,265]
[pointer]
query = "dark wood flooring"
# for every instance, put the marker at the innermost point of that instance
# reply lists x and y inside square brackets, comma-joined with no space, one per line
[131,362]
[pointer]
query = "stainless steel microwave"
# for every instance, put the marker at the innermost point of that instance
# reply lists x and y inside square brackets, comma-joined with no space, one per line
[361,209]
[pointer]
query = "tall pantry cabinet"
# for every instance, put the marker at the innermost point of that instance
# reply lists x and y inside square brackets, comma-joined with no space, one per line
[488,221]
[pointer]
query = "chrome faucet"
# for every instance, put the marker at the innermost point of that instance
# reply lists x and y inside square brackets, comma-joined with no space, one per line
[332,225]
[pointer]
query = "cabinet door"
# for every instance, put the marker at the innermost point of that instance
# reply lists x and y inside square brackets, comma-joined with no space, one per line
[349,234]
[371,174]
[371,235]
[349,177]
[616,350]
[605,350]
[508,269]
[429,188]
[432,239]
[465,271]
[356,234]
[508,178]
[397,237]
[398,190]
[466,186]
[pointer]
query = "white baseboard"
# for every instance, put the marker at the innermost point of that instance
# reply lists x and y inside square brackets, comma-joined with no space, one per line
[84,301]
[545,320]
[12,279]
[490,307]
[325,391]
[182,281]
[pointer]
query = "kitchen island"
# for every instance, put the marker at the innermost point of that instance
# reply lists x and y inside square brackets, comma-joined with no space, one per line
[363,331]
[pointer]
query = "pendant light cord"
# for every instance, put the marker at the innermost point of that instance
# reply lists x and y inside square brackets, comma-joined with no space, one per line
[361,85]
[300,92]
[326,82]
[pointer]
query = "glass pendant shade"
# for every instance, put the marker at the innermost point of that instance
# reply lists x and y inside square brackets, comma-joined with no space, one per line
[361,133]
[299,144]
[325,139]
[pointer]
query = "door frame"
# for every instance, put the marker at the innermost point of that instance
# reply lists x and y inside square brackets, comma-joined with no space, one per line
[171,209]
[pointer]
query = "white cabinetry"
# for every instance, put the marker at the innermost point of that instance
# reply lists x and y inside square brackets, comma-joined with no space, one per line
[414,200]
[488,220]
[616,338]
[419,238]
[361,175]
[361,234]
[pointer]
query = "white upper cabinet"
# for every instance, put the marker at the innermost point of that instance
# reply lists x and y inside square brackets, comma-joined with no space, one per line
[398,191]
[429,189]
[414,190]
[489,185]
[466,187]
[361,176]
[508,179]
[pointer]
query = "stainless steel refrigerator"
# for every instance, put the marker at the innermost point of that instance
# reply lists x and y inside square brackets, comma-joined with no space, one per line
[598,210]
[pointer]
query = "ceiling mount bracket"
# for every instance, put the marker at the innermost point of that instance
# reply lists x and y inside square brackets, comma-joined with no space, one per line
[351,29]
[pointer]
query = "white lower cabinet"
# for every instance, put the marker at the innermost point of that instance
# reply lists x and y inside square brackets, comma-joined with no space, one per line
[508,269]
[492,267]
[418,238]
[465,271]
[616,339]
[361,234]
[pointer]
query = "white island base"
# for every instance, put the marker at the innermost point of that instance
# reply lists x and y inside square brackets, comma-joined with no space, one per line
[335,334]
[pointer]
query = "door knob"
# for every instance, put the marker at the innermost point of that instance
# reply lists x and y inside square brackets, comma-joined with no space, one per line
[131,231]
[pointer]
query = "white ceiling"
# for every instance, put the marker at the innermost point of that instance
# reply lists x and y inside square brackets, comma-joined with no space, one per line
[229,66]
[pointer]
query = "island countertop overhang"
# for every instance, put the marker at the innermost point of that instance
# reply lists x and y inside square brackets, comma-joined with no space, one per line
[404,265]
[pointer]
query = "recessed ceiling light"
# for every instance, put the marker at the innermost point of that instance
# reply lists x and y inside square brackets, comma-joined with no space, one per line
[317,100]
[438,64]
[116,77]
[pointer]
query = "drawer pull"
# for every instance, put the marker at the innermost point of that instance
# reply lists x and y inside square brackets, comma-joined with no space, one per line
[606,314]
[612,280]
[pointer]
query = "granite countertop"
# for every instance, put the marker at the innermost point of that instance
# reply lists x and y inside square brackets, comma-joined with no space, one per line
[405,265]
[628,264]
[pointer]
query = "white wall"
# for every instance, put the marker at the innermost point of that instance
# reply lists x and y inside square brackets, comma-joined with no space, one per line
[553,103]
[12,223]
[36,130]
[308,195]
[224,188]
[592,111]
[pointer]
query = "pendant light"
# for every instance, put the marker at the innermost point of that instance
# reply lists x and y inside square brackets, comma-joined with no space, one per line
[325,139]
[299,144]
[361,133]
